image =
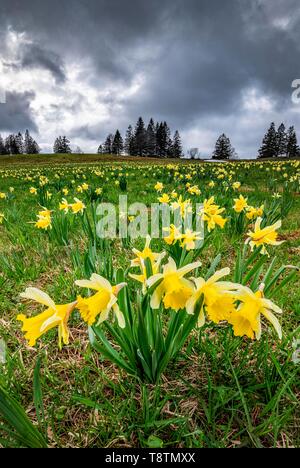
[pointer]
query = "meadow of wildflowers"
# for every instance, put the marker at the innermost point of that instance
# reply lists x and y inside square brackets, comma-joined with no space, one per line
[181,337]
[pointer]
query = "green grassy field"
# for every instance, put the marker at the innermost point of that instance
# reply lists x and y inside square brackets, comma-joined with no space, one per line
[221,390]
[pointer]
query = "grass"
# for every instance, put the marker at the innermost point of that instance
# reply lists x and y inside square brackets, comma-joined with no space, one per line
[220,392]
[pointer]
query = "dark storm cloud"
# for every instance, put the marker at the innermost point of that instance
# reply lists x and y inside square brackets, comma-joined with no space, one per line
[15,114]
[196,57]
[33,56]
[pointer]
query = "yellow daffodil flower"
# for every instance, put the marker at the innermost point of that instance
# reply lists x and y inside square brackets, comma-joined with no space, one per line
[139,261]
[164,198]
[78,206]
[218,297]
[189,239]
[159,187]
[241,204]
[53,316]
[184,206]
[253,212]
[64,205]
[173,290]
[173,236]
[211,214]
[45,213]
[100,303]
[246,320]
[43,222]
[267,235]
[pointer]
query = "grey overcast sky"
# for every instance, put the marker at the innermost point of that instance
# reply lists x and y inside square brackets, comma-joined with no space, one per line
[86,67]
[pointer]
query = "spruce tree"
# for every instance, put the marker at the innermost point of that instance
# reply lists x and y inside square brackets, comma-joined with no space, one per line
[2,147]
[19,143]
[176,146]
[292,144]
[62,145]
[100,149]
[108,144]
[163,140]
[117,145]
[151,139]
[223,149]
[268,148]
[129,142]
[140,138]
[167,140]
[11,145]
[281,141]
[30,145]
[157,135]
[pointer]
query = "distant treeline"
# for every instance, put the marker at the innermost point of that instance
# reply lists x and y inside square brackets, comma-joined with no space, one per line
[155,141]
[17,144]
[279,143]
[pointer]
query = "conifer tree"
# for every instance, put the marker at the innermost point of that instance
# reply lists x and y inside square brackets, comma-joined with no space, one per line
[117,145]
[176,146]
[161,140]
[11,145]
[140,138]
[129,142]
[19,143]
[223,149]
[62,145]
[167,140]
[100,149]
[281,141]
[268,148]
[30,145]
[292,144]
[108,144]
[151,139]
[2,147]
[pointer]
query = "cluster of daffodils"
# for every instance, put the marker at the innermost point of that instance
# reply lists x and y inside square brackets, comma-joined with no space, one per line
[44,216]
[44,220]
[241,206]
[211,214]
[168,288]
[83,188]
[221,300]
[187,240]
[77,207]
[96,307]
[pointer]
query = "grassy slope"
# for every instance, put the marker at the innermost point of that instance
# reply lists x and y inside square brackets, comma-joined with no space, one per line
[221,392]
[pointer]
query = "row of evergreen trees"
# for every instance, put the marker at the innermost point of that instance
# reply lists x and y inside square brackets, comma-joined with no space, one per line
[17,144]
[155,140]
[276,143]
[279,143]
